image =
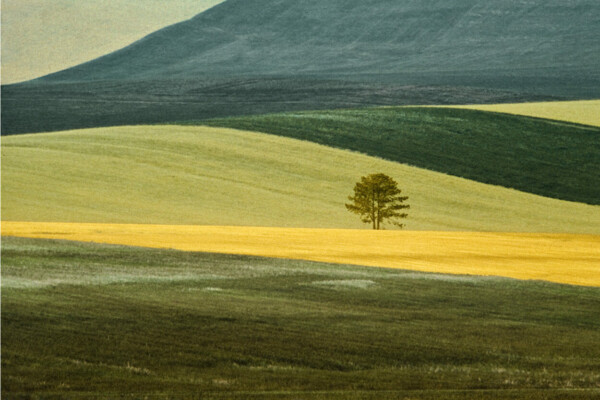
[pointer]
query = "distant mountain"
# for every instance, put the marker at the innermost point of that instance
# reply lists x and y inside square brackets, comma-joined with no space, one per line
[365,38]
[258,56]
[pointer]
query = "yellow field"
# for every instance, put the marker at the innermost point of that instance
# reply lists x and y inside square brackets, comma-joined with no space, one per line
[563,258]
[582,112]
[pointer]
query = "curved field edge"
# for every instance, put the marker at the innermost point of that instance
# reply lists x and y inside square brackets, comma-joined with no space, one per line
[558,160]
[586,112]
[245,327]
[562,258]
[214,176]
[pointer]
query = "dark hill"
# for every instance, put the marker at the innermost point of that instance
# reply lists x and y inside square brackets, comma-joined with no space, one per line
[366,38]
[39,107]
[548,158]
[258,56]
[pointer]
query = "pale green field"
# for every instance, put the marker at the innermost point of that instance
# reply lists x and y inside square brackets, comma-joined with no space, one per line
[582,112]
[206,176]
[562,258]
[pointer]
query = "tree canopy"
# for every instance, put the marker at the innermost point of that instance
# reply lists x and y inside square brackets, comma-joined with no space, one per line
[377,200]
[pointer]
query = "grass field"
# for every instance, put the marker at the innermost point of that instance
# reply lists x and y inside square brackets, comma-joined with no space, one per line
[563,258]
[559,160]
[207,176]
[581,112]
[97,321]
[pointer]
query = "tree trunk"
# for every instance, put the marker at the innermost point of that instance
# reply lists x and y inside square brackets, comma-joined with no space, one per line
[373,216]
[378,209]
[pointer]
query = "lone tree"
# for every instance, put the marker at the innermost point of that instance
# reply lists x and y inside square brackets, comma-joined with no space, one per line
[377,199]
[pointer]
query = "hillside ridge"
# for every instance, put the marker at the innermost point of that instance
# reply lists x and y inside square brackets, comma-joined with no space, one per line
[544,157]
[214,176]
[357,38]
[249,57]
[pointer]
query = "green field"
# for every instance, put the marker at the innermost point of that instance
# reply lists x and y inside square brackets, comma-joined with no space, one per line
[163,206]
[97,321]
[207,176]
[86,320]
[549,158]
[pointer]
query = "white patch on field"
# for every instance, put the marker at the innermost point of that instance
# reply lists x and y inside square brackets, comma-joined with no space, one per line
[127,367]
[26,283]
[271,367]
[222,382]
[212,289]
[347,283]
[438,277]
[449,277]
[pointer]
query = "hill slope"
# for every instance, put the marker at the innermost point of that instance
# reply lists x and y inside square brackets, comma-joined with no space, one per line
[548,158]
[40,37]
[579,112]
[255,56]
[208,176]
[475,38]
[43,107]
[244,327]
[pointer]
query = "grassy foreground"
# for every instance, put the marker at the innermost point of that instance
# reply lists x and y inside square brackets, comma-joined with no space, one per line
[563,258]
[209,176]
[581,112]
[98,321]
[558,160]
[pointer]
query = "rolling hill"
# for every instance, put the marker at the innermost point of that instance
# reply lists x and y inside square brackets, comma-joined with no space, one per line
[79,31]
[256,56]
[214,176]
[475,38]
[62,106]
[239,326]
[548,158]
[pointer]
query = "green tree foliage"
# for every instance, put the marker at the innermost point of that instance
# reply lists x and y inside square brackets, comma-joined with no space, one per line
[377,199]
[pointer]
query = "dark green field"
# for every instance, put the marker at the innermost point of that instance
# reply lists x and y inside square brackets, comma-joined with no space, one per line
[96,321]
[543,157]
[62,106]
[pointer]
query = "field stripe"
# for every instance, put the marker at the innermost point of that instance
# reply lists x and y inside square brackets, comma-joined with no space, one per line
[585,112]
[561,258]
